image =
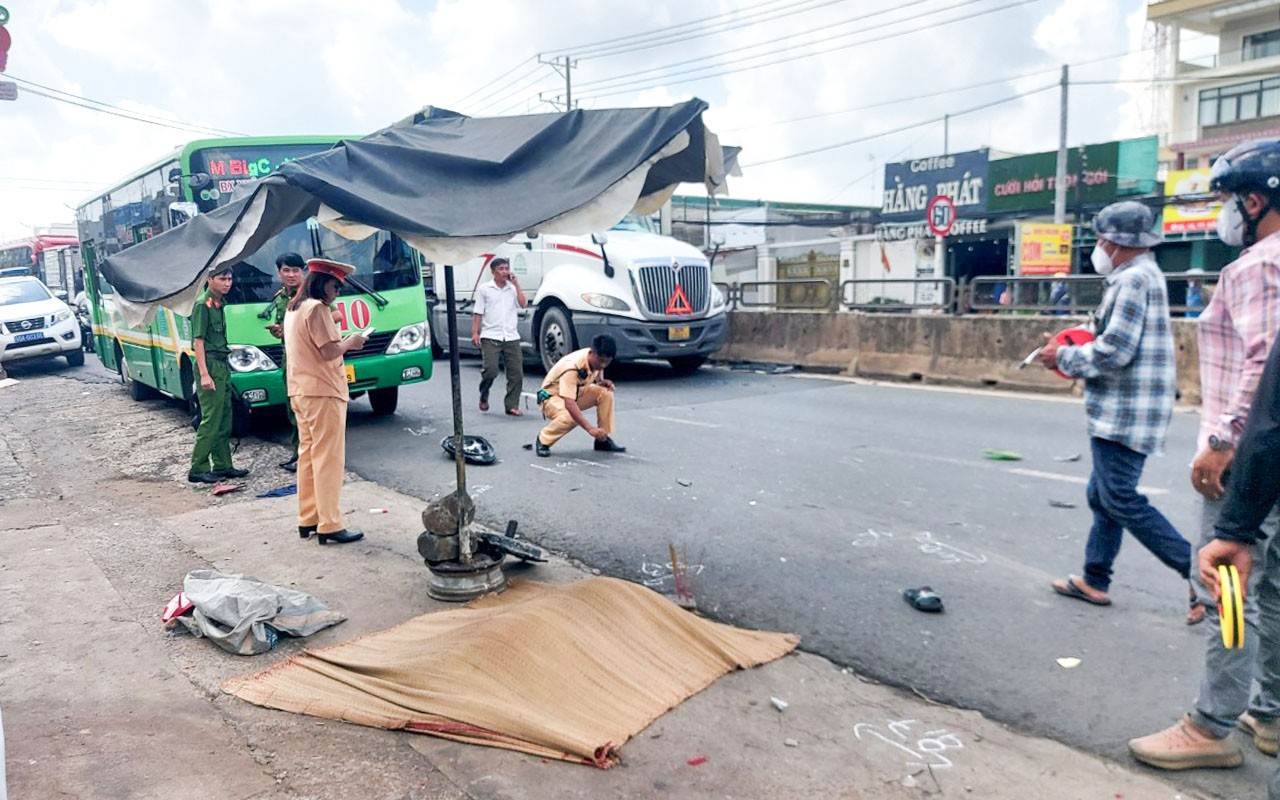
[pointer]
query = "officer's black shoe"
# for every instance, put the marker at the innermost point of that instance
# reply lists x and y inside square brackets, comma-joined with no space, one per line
[541,449]
[340,537]
[609,446]
[201,477]
[290,466]
[230,472]
[305,531]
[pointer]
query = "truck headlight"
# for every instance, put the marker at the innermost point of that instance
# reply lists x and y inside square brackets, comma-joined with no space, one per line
[247,358]
[717,298]
[64,314]
[409,338]
[605,301]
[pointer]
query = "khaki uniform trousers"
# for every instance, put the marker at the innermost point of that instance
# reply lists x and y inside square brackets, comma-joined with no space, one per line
[322,456]
[561,421]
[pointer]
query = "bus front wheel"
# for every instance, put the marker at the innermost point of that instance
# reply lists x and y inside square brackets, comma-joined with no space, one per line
[384,401]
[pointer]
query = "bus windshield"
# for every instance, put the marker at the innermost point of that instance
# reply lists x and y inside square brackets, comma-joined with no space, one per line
[382,261]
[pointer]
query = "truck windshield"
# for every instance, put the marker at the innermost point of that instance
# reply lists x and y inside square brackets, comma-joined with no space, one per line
[635,222]
[382,261]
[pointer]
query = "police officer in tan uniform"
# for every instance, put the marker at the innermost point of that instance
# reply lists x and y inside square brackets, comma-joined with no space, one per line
[573,385]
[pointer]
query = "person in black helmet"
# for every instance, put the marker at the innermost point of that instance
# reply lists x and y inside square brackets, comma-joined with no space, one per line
[1130,383]
[1236,332]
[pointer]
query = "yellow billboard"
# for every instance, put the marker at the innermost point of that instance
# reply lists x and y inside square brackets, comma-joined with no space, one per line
[1193,211]
[1043,248]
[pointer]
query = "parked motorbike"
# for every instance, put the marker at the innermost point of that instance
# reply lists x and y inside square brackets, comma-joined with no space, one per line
[86,328]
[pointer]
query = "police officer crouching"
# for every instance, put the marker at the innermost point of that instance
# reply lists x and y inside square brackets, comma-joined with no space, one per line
[211,458]
[574,384]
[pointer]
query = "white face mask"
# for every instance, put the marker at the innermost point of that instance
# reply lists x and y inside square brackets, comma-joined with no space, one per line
[1102,260]
[1231,223]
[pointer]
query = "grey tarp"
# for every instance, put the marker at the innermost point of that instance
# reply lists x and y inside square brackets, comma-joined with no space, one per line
[244,615]
[453,186]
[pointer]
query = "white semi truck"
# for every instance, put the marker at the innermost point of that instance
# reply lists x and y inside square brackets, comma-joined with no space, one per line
[652,293]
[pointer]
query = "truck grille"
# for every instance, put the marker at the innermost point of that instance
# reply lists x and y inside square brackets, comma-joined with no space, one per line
[24,325]
[658,284]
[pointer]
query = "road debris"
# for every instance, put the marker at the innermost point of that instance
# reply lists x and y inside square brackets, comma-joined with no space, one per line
[790,743]
[1061,504]
[220,489]
[1069,662]
[684,481]
[923,599]
[1001,455]
[696,760]
[1072,457]
[779,703]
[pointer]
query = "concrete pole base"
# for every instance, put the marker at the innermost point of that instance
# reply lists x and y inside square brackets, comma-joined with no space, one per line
[455,582]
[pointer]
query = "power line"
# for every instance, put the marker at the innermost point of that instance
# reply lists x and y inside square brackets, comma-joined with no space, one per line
[774,41]
[927,95]
[720,28]
[605,43]
[482,87]
[867,138]
[138,116]
[504,100]
[499,94]
[666,81]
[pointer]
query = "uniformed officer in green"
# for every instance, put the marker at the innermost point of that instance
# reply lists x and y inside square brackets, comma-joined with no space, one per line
[211,458]
[290,267]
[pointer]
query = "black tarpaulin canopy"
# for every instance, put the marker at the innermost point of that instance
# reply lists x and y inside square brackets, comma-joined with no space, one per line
[454,187]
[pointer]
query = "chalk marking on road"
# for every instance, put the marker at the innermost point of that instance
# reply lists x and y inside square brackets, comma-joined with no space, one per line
[547,469]
[948,553]
[591,463]
[928,750]
[687,422]
[1057,476]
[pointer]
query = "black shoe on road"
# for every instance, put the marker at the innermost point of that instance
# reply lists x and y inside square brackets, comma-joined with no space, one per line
[230,472]
[305,531]
[289,466]
[609,446]
[541,449]
[339,537]
[201,477]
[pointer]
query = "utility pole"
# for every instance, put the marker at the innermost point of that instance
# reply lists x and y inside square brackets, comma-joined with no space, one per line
[567,65]
[1060,182]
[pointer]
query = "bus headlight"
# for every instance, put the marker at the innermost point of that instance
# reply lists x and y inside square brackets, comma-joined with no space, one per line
[605,301]
[409,338]
[247,358]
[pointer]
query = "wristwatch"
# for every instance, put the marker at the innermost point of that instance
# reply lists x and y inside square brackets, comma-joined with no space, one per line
[1219,445]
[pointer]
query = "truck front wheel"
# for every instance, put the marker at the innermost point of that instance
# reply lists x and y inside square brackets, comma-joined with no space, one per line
[686,365]
[556,338]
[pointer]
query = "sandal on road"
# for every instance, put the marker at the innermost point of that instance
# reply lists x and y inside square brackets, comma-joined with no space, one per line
[1067,587]
[923,599]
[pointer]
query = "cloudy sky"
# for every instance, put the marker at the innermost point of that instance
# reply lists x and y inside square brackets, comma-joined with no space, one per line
[782,77]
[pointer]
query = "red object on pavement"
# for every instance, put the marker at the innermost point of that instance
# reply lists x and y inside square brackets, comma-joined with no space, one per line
[176,607]
[696,760]
[1072,337]
[226,488]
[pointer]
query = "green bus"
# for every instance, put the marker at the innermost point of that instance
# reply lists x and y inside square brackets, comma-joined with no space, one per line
[386,290]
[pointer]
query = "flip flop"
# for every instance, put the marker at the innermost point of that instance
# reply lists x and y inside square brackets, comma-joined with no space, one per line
[923,599]
[1068,588]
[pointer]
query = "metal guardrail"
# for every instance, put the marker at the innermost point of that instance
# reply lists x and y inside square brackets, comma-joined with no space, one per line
[988,294]
[935,294]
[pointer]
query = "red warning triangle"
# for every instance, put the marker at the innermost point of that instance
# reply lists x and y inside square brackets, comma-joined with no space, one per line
[679,302]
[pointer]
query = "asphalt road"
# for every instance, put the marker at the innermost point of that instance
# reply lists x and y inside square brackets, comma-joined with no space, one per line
[808,504]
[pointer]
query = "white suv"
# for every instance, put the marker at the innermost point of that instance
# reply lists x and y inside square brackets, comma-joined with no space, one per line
[35,324]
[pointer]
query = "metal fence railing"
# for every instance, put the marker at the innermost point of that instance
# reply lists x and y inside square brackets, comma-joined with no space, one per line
[992,294]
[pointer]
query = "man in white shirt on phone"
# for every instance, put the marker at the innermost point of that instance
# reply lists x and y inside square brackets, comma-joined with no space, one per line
[494,330]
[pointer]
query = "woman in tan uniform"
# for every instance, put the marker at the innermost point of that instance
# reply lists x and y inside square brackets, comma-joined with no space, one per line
[317,385]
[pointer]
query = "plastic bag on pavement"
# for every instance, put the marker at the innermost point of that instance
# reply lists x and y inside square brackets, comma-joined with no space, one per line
[244,615]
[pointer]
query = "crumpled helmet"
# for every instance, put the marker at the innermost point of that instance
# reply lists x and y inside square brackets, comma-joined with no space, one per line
[475,449]
[1128,224]
[1249,166]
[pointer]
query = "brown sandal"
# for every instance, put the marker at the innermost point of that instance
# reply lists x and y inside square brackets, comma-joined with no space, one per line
[514,412]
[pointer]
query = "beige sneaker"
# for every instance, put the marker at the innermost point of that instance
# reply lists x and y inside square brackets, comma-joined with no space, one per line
[1184,746]
[1266,735]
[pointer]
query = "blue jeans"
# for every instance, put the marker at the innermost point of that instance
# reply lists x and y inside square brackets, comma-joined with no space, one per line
[1116,504]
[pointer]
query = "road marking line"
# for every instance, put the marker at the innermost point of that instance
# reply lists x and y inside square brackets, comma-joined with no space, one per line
[688,422]
[1057,476]
[547,469]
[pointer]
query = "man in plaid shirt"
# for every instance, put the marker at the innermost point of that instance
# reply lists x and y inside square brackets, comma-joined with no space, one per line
[1130,379]
[1237,330]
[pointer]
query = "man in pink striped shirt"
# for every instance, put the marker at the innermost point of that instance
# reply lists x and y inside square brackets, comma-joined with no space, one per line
[1236,332]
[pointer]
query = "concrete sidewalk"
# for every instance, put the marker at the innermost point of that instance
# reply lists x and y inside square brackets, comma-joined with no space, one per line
[100,701]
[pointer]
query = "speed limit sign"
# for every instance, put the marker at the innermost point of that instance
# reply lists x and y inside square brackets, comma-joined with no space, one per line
[941,215]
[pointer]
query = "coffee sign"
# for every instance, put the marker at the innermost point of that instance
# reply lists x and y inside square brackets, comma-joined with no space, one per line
[910,186]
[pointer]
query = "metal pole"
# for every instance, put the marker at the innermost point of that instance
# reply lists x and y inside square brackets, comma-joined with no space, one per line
[1060,182]
[455,381]
[568,85]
